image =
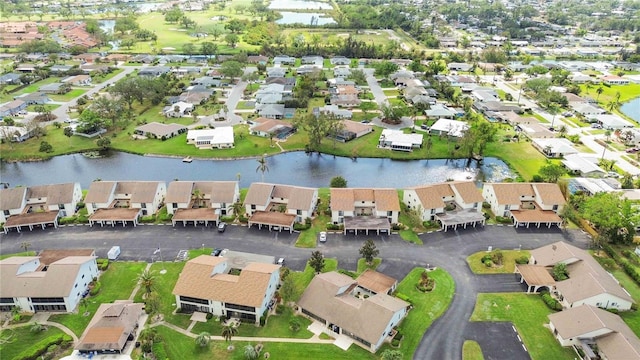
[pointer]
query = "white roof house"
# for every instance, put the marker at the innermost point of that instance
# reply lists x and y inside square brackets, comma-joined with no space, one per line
[220,138]
[397,140]
[613,122]
[439,111]
[554,147]
[583,165]
[449,127]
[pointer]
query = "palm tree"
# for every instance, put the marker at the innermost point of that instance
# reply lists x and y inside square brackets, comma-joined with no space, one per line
[262,167]
[36,327]
[562,131]
[599,91]
[202,339]
[25,245]
[588,86]
[237,209]
[428,145]
[228,331]
[197,196]
[613,105]
[147,280]
[250,352]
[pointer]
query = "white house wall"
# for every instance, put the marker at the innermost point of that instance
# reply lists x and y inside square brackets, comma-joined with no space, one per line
[605,301]
[89,270]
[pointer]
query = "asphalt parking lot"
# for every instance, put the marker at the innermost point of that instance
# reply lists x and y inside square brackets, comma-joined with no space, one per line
[448,250]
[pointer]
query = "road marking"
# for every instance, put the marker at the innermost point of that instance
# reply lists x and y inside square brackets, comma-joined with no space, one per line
[514,329]
[525,348]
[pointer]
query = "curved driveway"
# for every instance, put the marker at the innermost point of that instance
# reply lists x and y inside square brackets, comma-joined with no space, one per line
[448,250]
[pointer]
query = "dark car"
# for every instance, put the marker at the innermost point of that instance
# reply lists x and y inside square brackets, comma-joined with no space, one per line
[216,252]
[222,227]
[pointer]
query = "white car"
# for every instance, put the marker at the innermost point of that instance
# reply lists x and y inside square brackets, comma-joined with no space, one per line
[323,236]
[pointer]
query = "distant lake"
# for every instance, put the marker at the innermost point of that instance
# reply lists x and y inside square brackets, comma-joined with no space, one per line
[304,18]
[299,5]
[294,168]
[632,109]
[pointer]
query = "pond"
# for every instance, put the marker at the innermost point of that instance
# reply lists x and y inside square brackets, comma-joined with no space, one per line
[313,19]
[632,109]
[299,5]
[107,26]
[294,168]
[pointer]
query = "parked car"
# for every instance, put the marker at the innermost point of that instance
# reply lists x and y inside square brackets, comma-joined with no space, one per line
[632,150]
[216,252]
[280,261]
[596,126]
[323,236]
[424,127]
[222,226]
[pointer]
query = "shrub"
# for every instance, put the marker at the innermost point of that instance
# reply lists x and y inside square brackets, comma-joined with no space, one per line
[551,303]
[301,227]
[497,256]
[36,350]
[398,336]
[348,273]
[613,311]
[486,258]
[263,320]
[522,260]
[159,351]
[209,316]
[488,263]
[279,309]
[395,343]
[404,297]
[96,289]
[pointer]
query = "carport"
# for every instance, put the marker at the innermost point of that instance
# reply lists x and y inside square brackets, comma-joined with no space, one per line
[272,219]
[460,218]
[536,217]
[30,220]
[535,277]
[115,215]
[367,223]
[198,215]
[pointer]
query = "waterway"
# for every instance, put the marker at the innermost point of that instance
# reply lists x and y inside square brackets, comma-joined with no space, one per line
[294,168]
[632,109]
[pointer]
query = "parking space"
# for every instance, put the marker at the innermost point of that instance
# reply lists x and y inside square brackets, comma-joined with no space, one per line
[498,340]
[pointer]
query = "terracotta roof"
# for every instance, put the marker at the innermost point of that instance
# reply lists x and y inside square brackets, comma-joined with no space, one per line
[110,326]
[375,281]
[248,289]
[366,318]
[12,198]
[57,281]
[510,193]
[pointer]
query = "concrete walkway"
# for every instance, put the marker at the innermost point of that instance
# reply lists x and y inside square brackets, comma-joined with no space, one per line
[42,318]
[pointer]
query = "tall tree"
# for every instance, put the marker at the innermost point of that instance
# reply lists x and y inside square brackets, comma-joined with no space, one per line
[552,172]
[316,262]
[231,69]
[229,331]
[147,280]
[618,224]
[316,128]
[338,182]
[262,166]
[369,251]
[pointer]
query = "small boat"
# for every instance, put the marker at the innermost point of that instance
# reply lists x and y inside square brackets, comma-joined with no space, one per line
[188,159]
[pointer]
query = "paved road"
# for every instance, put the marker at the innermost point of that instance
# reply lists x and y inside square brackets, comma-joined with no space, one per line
[375,88]
[447,250]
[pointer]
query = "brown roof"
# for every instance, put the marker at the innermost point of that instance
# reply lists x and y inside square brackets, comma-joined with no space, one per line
[57,281]
[259,193]
[272,218]
[431,196]
[345,198]
[202,214]
[341,199]
[248,289]
[300,198]
[110,326]
[620,344]
[549,193]
[12,198]
[141,191]
[354,126]
[55,194]
[560,251]
[34,218]
[535,275]
[99,191]
[468,191]
[179,192]
[215,191]
[375,281]
[386,199]
[366,318]
[49,256]
[116,214]
[269,125]
[535,216]
[510,193]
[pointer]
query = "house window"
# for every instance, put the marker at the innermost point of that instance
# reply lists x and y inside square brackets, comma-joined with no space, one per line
[253,207]
[298,212]
[475,205]
[389,213]
[340,213]
[555,207]
[598,304]
[614,304]
[506,207]
[174,205]
[61,206]
[144,206]
[7,213]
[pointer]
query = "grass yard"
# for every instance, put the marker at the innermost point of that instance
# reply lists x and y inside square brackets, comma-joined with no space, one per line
[179,346]
[471,351]
[27,253]
[302,279]
[427,307]
[529,314]
[307,238]
[278,326]
[74,93]
[15,341]
[515,153]
[362,265]
[508,263]
[627,92]
[117,284]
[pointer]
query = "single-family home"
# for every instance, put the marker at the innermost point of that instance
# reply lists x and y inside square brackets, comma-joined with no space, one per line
[54,88]
[10,79]
[350,130]
[201,202]
[78,80]
[257,59]
[60,69]
[218,138]
[526,203]
[591,185]
[459,66]
[362,209]
[12,108]
[156,130]
[278,206]
[453,204]
[613,122]
[535,130]
[40,205]
[223,287]
[207,81]
[275,111]
[597,333]
[110,202]
[583,165]
[111,328]
[315,60]
[448,127]
[153,70]
[554,147]
[439,111]
[16,133]
[332,111]
[615,80]
[341,72]
[32,285]
[587,109]
[178,109]
[352,309]
[398,140]
[340,60]
[34,98]
[276,72]
[284,60]
[271,128]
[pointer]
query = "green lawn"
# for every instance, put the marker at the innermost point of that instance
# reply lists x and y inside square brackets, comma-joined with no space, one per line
[627,92]
[529,314]
[513,154]
[28,253]
[508,263]
[74,93]
[302,279]
[427,307]
[471,351]
[362,265]
[117,284]
[307,238]
[16,340]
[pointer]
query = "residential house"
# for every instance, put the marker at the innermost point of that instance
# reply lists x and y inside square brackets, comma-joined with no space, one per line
[613,122]
[398,140]
[217,138]
[275,111]
[34,98]
[453,204]
[153,70]
[315,60]
[178,109]
[207,81]
[583,165]
[271,128]
[284,60]
[459,66]
[156,130]
[340,60]
[448,127]
[78,80]
[533,129]
[32,285]
[615,80]
[526,203]
[554,147]
[439,111]
[341,72]
[212,284]
[38,205]
[276,72]
[350,308]
[12,108]
[257,59]
[54,88]
[201,201]
[10,79]
[279,206]
[587,109]
[351,130]
[360,209]
[111,328]
[109,202]
[593,185]
[588,283]
[333,111]
[597,333]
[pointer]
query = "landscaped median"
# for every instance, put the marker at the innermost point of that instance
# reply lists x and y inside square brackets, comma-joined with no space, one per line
[529,315]
[506,265]
[471,351]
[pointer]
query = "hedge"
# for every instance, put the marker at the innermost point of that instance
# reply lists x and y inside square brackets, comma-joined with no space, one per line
[96,289]
[158,350]
[404,297]
[39,348]
[551,303]
[623,263]
[348,273]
